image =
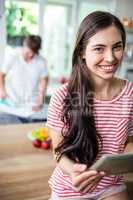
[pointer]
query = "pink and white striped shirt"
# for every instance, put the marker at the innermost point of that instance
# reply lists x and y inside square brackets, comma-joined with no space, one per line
[114,122]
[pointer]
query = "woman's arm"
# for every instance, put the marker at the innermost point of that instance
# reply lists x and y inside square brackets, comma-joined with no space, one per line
[129,145]
[83,180]
[65,163]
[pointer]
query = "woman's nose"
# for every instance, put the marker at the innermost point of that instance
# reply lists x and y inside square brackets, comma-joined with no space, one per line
[109,56]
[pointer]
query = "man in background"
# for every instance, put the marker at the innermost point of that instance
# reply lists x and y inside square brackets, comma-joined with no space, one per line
[27,76]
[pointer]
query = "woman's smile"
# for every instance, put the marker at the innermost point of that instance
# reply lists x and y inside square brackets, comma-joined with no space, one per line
[108,68]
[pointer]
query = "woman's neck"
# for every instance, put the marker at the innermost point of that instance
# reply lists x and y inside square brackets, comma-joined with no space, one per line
[107,89]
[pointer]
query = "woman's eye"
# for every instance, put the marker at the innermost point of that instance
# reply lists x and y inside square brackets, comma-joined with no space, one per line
[118,48]
[99,50]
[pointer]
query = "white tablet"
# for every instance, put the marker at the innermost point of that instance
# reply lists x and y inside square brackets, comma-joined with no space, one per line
[114,164]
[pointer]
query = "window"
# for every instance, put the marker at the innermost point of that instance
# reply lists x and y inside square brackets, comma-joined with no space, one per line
[88,7]
[21,19]
[57,36]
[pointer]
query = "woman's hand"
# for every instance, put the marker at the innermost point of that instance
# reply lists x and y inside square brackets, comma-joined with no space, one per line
[85,180]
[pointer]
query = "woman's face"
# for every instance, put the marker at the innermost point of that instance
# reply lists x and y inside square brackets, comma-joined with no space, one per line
[104,53]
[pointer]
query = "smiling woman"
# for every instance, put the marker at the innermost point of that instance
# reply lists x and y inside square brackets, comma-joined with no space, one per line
[91,115]
[107,53]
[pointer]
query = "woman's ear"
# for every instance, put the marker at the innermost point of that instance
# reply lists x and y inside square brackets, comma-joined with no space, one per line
[83,57]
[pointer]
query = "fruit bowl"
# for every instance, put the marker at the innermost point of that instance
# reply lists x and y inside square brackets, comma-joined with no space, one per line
[40,138]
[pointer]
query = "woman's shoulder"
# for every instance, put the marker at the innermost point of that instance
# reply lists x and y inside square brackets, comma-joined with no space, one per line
[129,88]
[127,91]
[60,93]
[61,89]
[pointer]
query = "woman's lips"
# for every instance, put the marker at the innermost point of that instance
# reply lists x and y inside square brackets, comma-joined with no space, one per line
[108,68]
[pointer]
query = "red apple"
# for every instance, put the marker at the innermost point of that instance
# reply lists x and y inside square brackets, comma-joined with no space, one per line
[45,144]
[37,143]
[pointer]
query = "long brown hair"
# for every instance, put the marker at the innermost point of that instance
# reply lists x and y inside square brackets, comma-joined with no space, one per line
[81,141]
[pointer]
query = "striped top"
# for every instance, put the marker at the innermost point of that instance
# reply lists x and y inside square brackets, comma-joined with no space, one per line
[114,122]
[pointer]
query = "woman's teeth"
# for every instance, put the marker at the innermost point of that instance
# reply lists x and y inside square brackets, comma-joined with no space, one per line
[108,68]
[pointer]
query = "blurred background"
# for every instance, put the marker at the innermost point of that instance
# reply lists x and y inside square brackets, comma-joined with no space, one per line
[56,21]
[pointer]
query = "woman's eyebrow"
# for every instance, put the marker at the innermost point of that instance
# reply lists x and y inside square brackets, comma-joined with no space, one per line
[99,45]
[117,43]
[102,45]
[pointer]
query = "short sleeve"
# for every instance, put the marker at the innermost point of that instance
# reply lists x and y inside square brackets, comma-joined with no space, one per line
[55,111]
[44,69]
[8,62]
[130,128]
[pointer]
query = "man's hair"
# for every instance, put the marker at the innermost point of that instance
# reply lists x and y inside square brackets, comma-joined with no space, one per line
[33,42]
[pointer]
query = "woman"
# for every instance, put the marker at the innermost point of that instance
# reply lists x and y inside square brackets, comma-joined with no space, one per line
[91,115]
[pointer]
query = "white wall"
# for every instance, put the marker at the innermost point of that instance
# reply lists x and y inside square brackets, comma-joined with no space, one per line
[124,8]
[2,32]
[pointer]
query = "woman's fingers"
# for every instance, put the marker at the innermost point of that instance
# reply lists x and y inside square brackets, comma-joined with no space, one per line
[85,180]
[88,183]
[87,175]
[78,168]
[91,186]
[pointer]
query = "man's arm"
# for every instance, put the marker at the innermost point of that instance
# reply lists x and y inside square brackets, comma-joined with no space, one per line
[42,88]
[3,93]
[42,93]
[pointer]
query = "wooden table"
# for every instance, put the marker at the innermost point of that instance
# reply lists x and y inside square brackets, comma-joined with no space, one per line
[24,169]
